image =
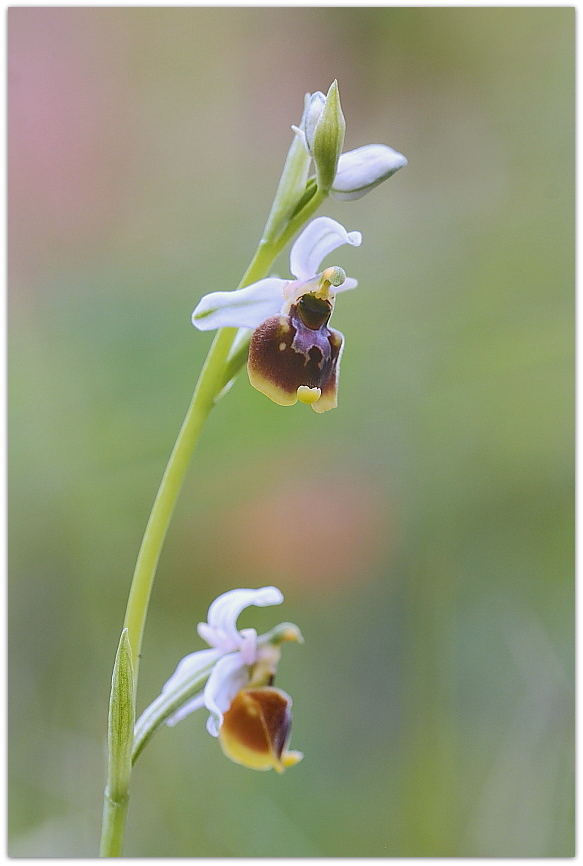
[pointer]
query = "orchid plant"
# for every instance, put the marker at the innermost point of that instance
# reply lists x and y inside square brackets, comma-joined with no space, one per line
[280,329]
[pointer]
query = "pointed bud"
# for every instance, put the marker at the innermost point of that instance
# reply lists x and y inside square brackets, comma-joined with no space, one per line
[362,169]
[328,139]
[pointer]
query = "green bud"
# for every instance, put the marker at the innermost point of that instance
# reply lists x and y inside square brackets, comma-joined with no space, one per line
[328,139]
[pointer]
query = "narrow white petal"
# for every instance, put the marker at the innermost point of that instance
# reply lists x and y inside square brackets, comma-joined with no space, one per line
[188,708]
[221,629]
[228,677]
[190,667]
[243,308]
[318,239]
[349,283]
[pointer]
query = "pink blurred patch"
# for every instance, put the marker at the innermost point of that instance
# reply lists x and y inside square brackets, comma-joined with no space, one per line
[68,145]
[317,534]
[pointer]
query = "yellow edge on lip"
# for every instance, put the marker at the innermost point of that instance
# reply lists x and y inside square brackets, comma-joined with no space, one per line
[270,389]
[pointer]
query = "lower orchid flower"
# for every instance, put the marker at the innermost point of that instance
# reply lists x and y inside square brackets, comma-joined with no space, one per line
[294,354]
[250,717]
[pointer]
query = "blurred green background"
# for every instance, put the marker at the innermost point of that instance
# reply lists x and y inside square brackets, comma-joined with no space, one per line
[422,533]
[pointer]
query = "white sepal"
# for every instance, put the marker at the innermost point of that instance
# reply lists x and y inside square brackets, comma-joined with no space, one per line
[362,169]
[243,308]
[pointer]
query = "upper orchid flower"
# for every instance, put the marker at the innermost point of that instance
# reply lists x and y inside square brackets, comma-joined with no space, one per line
[293,355]
[251,718]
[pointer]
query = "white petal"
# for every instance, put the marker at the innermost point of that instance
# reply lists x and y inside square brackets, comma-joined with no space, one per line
[188,708]
[318,239]
[228,677]
[221,629]
[362,169]
[349,283]
[243,308]
[248,645]
[190,667]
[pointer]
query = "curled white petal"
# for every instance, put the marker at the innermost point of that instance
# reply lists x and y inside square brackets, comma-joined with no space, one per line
[221,629]
[228,677]
[362,169]
[243,308]
[318,239]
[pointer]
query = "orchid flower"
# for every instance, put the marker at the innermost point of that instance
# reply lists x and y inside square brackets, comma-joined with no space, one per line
[250,717]
[293,354]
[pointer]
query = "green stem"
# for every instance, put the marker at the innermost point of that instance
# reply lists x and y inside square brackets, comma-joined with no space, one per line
[114,820]
[301,217]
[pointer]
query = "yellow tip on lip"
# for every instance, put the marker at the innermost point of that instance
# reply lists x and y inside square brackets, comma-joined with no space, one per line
[308,395]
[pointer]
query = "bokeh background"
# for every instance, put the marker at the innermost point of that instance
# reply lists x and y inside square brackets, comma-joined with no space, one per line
[422,533]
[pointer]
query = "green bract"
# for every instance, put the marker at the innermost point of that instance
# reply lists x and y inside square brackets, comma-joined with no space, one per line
[328,139]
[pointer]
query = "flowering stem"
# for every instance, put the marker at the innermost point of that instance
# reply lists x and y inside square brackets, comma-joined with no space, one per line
[218,369]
